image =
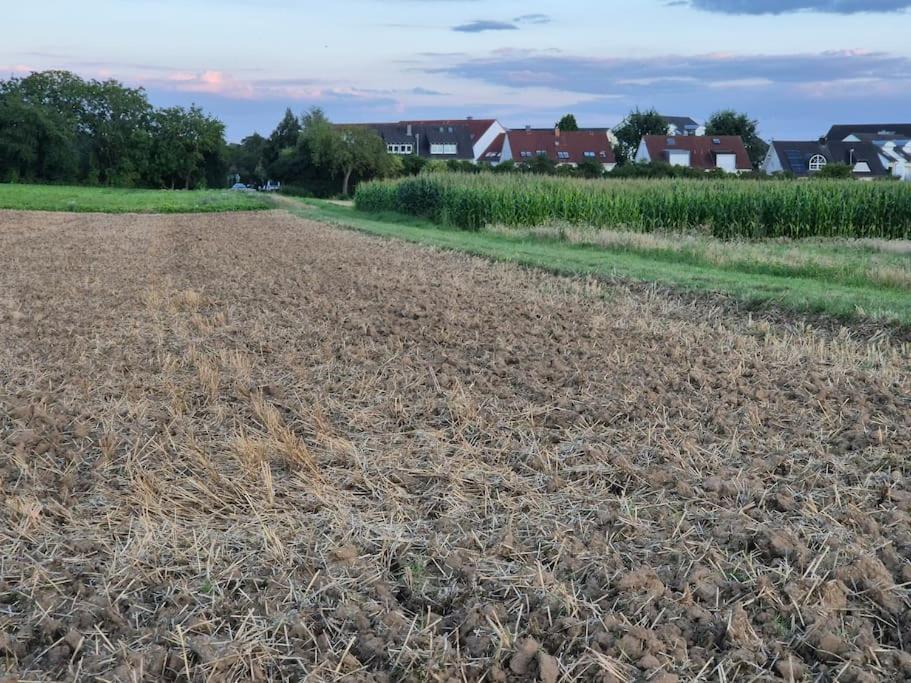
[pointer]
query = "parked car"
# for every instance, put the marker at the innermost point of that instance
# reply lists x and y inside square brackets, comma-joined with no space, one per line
[240,187]
[272,186]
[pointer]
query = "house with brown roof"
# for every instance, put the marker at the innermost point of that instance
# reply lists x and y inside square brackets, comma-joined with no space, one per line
[706,153]
[564,148]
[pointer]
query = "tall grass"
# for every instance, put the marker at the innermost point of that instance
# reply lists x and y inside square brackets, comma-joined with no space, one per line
[724,208]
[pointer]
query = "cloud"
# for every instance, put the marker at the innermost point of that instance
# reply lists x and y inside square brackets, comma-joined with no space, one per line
[788,6]
[680,73]
[533,19]
[482,25]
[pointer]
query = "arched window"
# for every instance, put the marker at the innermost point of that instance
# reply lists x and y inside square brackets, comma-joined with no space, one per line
[817,162]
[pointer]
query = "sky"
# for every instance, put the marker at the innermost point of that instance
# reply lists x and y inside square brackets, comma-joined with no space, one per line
[797,66]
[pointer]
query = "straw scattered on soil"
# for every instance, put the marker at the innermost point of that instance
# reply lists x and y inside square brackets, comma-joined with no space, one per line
[248,447]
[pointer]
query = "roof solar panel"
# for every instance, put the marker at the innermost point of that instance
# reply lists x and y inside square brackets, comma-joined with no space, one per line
[796,161]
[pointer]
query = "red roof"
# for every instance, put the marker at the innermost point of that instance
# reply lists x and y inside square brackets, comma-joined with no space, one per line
[562,147]
[702,148]
[477,127]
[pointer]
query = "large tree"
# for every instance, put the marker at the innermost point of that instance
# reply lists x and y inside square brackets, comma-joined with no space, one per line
[631,131]
[285,136]
[246,159]
[185,142]
[344,151]
[729,122]
[35,143]
[568,123]
[118,123]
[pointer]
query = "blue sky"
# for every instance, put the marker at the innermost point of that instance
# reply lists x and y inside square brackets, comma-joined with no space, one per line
[796,65]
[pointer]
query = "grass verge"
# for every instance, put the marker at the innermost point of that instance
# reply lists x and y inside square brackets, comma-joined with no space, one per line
[807,289]
[117,200]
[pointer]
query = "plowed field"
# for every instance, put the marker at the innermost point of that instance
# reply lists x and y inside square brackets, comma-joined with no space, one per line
[251,447]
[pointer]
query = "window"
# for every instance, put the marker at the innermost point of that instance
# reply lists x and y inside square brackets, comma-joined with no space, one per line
[716,141]
[603,154]
[589,155]
[541,153]
[563,155]
[671,142]
[526,155]
[444,149]
[817,162]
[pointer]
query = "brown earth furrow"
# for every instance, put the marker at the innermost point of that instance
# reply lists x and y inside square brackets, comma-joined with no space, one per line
[253,447]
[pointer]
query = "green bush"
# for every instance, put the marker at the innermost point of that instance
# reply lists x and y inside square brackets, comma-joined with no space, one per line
[724,208]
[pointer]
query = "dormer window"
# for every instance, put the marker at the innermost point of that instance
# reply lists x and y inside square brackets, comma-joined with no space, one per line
[589,155]
[541,153]
[563,155]
[817,163]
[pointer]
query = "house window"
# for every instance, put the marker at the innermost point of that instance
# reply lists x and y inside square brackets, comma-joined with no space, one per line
[444,149]
[817,162]
[603,154]
[563,155]
[589,155]
[526,155]
[541,153]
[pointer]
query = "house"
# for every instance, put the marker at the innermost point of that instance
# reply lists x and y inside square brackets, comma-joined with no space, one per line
[683,125]
[481,132]
[871,150]
[460,139]
[564,148]
[705,153]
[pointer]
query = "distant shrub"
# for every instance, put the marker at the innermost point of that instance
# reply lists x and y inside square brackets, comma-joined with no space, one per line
[833,171]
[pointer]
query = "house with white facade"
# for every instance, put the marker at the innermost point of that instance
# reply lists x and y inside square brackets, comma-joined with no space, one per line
[706,153]
[683,125]
[460,139]
[871,150]
[563,147]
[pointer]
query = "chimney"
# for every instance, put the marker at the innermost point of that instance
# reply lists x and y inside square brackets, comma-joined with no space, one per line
[408,129]
[557,131]
[470,118]
[528,129]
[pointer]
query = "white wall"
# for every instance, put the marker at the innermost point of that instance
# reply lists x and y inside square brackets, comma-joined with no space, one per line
[507,150]
[678,157]
[771,163]
[486,140]
[727,162]
[642,153]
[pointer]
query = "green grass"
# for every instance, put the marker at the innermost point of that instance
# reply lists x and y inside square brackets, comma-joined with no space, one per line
[116,200]
[853,294]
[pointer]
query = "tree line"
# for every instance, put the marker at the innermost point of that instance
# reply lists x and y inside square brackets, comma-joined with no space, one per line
[56,127]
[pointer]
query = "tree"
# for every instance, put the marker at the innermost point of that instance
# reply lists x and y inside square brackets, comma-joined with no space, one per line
[568,123]
[344,151]
[34,143]
[285,136]
[186,142]
[117,122]
[729,122]
[633,128]
[246,159]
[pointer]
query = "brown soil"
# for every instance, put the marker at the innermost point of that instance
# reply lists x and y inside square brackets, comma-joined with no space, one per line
[249,447]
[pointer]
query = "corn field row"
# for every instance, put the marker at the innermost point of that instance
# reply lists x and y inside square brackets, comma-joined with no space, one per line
[725,209]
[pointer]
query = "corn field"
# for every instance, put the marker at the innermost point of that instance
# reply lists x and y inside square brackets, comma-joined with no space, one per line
[726,209]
